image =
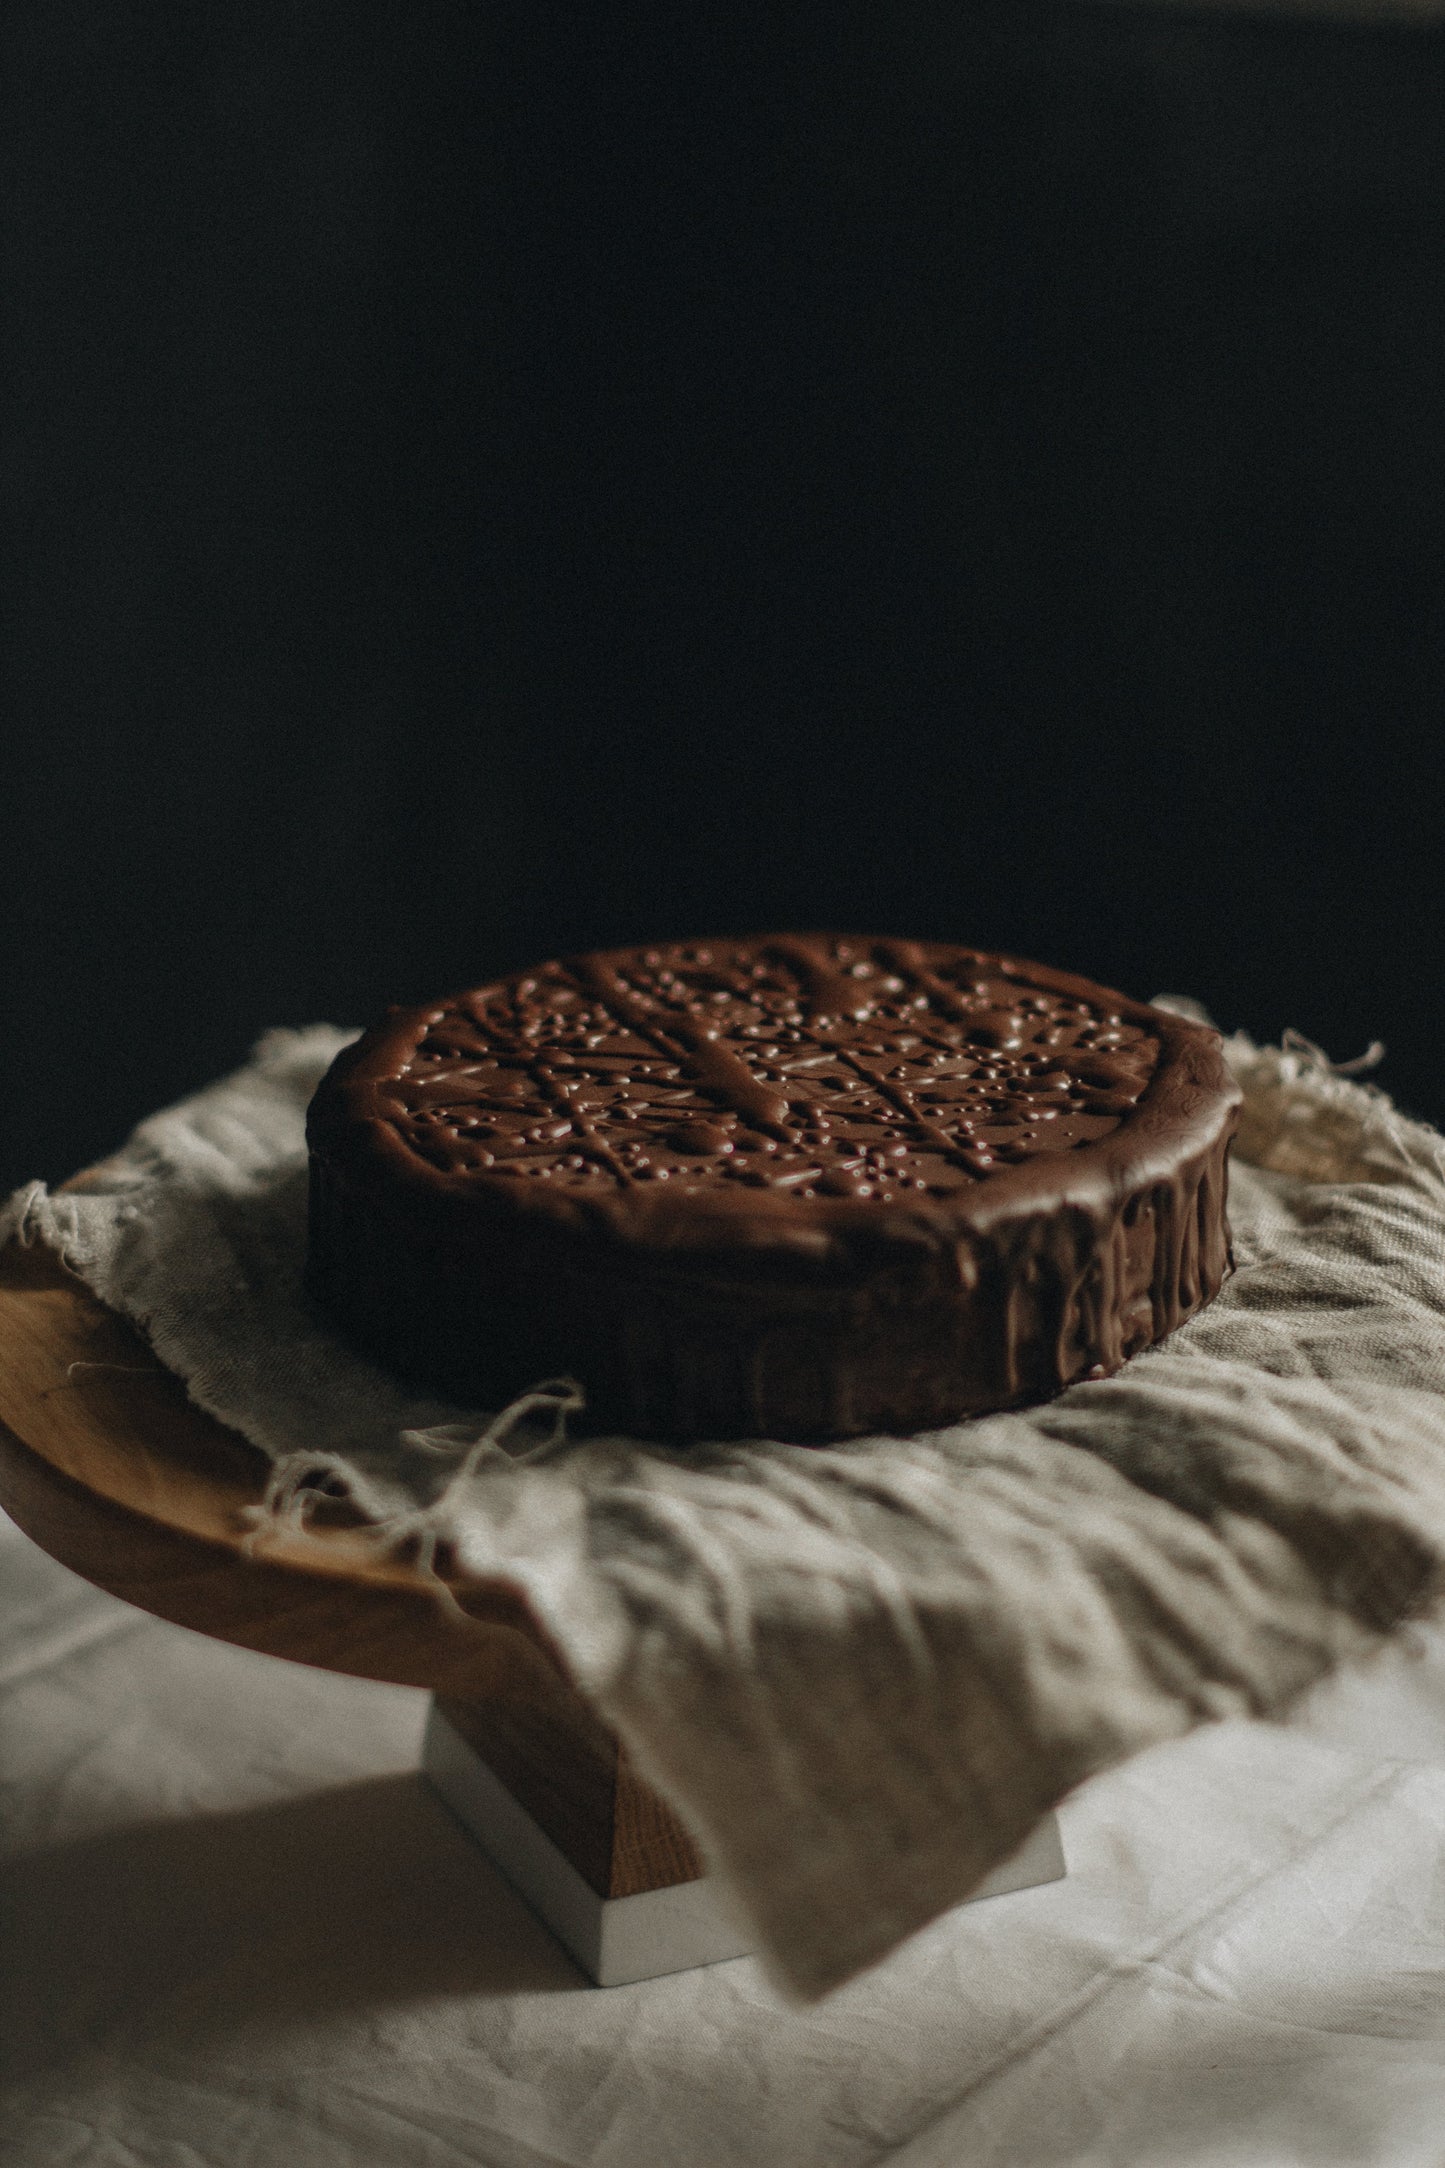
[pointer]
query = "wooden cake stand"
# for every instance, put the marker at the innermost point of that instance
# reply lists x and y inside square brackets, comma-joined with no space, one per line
[107,1465]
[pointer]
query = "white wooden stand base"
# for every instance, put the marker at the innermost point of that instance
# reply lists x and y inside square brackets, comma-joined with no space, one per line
[619,1939]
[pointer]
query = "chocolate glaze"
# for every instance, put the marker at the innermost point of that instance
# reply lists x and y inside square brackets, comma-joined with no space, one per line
[804,1186]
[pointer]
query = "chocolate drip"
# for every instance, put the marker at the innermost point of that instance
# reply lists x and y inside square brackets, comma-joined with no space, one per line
[833,993]
[719,1071]
[907,958]
[906,1105]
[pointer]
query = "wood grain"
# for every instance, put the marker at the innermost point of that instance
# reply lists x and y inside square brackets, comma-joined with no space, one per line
[107,1465]
[574,1778]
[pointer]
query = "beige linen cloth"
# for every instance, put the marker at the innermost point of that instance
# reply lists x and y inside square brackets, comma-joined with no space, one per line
[861,1673]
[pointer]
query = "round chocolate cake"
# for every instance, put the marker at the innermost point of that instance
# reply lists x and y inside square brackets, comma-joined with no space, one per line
[789,1186]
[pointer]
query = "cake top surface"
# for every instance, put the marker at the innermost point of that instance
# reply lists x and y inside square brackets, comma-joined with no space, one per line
[782,1074]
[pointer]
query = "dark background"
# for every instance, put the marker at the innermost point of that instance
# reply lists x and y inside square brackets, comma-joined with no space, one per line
[485,479]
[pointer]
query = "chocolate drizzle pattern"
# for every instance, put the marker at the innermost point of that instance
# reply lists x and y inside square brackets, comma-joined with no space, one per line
[790,1186]
[805,1066]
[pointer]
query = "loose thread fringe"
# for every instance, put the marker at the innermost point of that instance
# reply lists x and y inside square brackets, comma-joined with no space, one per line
[1295,1042]
[1328,1132]
[292,1492]
[130,1370]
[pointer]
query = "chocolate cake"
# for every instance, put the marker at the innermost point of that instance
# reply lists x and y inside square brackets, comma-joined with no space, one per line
[790,1186]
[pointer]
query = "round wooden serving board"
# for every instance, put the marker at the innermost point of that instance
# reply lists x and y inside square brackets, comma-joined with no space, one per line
[110,1468]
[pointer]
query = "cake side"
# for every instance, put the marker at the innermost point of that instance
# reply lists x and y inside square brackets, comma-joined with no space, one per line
[1033,1303]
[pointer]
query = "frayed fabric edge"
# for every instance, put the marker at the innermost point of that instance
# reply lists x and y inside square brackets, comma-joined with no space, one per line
[300,1482]
[1310,1117]
[20,1215]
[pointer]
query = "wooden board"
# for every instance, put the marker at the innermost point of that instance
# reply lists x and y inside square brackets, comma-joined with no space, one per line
[112,1470]
[107,1465]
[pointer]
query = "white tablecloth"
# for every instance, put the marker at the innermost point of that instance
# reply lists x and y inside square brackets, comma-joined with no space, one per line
[240,1934]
